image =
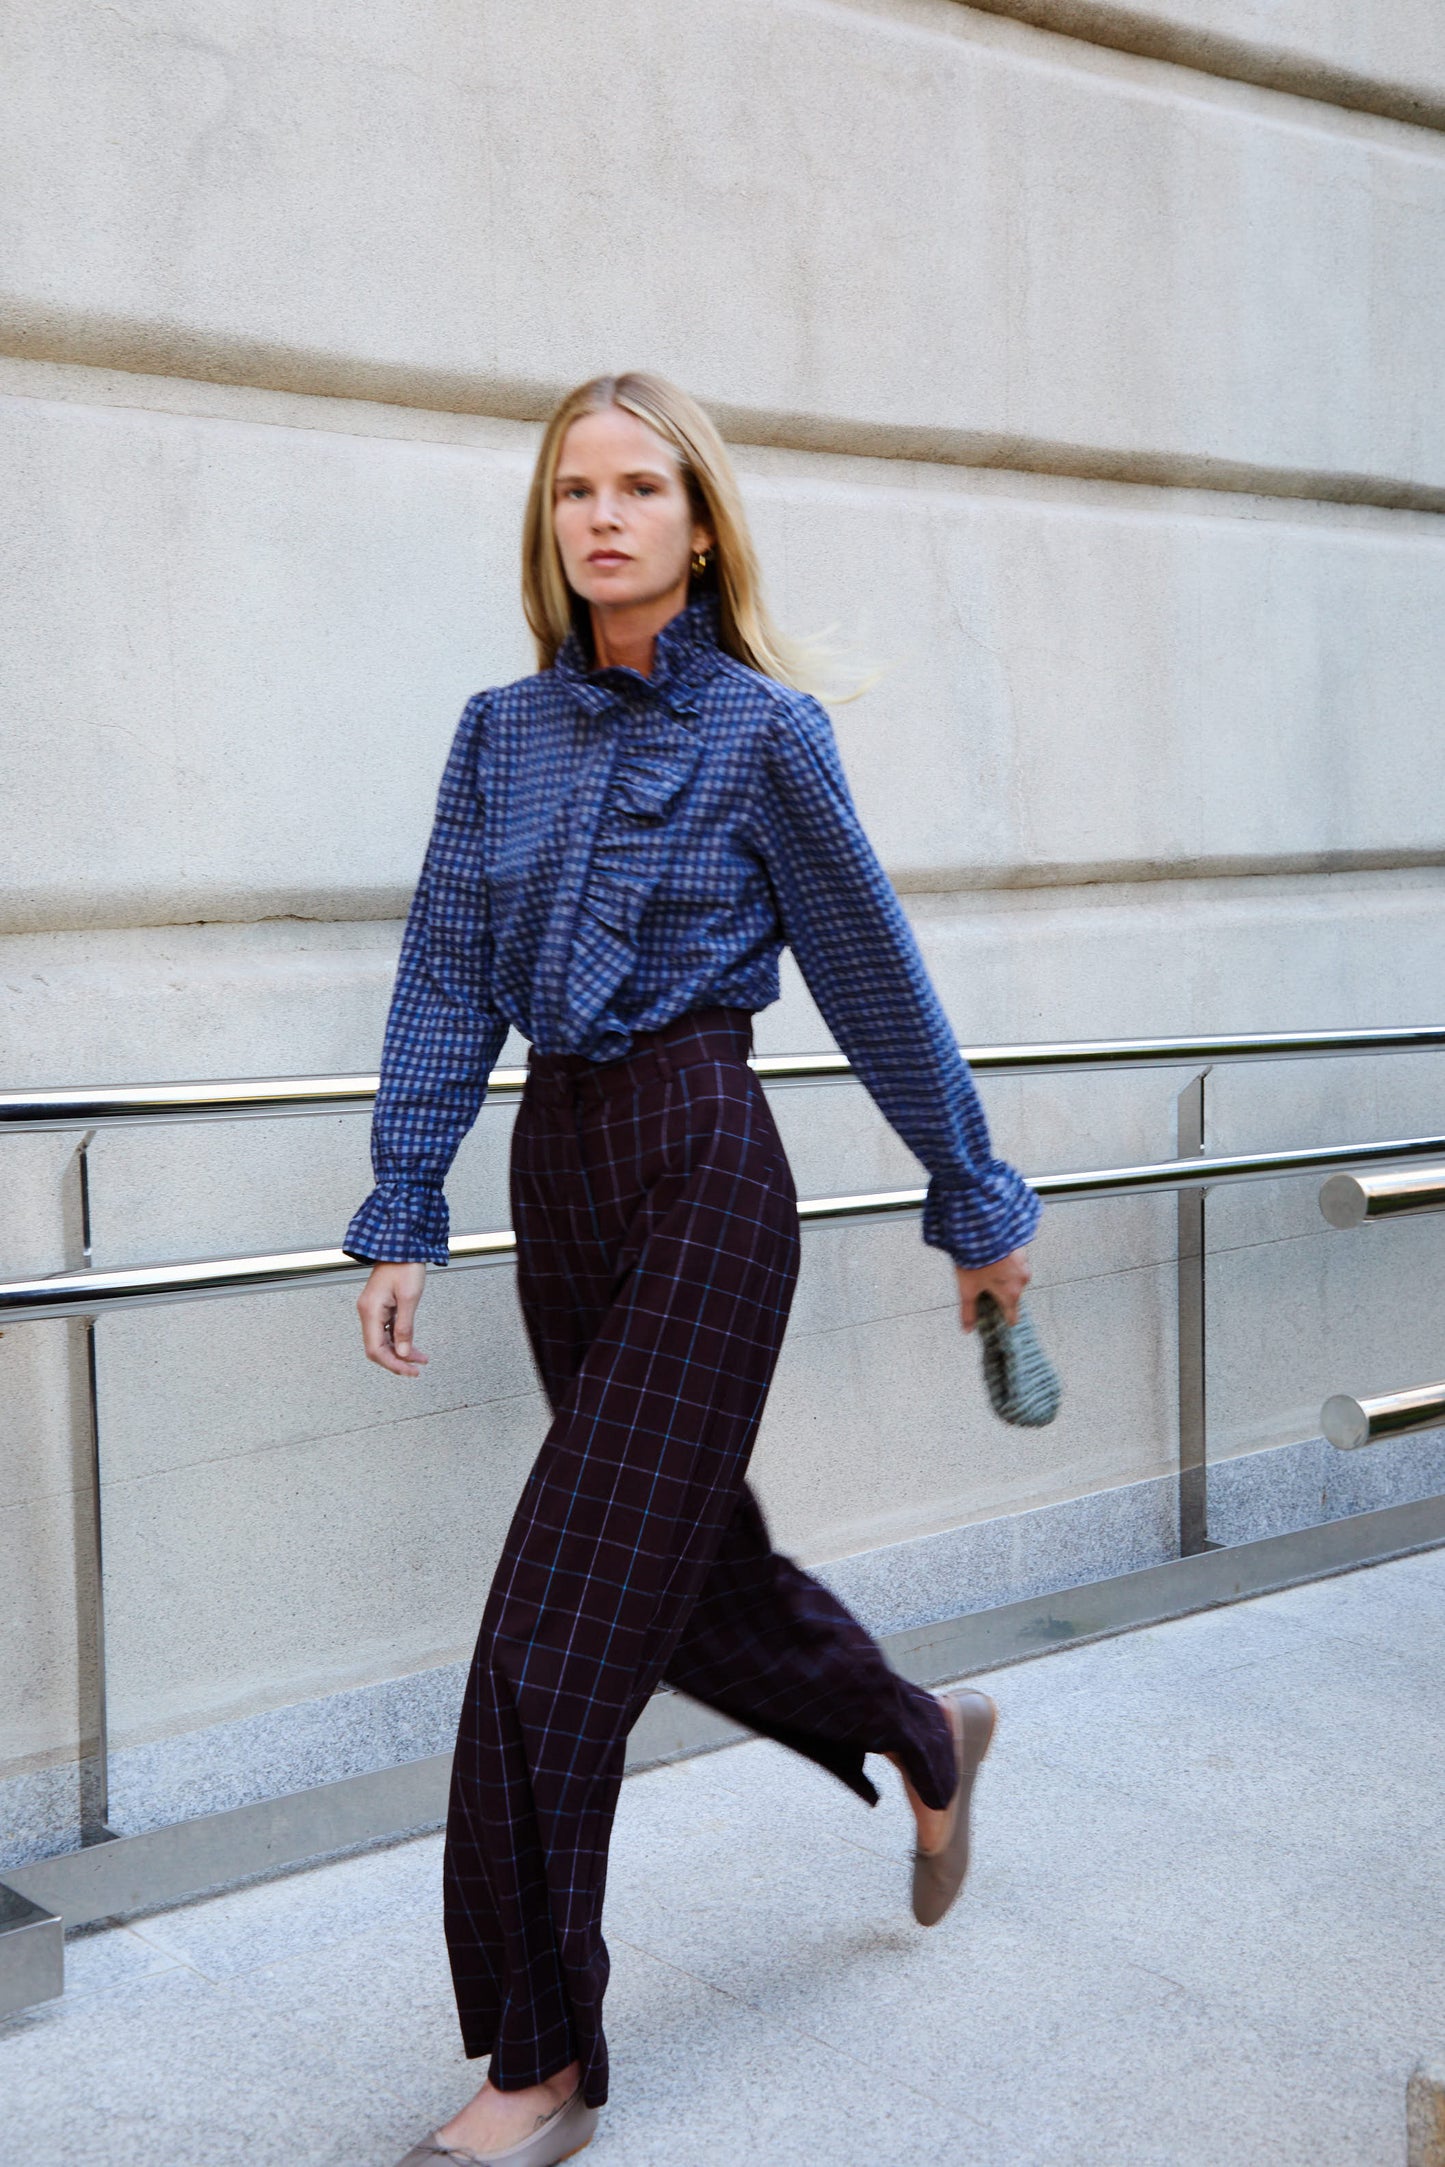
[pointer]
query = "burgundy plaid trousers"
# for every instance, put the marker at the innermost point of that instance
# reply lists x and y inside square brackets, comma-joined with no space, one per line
[657,1243]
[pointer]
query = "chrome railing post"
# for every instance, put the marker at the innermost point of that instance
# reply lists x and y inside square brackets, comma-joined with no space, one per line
[94,1726]
[1193,1397]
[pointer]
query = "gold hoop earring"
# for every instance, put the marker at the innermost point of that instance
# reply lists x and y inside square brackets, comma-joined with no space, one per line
[701,559]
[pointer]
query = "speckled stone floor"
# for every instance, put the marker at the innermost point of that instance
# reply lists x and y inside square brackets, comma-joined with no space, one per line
[1204,1926]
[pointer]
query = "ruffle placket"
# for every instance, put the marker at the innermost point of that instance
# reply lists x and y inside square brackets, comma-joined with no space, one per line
[634,839]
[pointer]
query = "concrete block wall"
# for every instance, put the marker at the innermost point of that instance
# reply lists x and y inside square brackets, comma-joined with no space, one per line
[1093,395]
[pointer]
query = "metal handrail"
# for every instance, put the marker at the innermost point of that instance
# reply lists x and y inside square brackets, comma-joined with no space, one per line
[136,1105]
[89,1293]
[1349,1200]
[1350,1424]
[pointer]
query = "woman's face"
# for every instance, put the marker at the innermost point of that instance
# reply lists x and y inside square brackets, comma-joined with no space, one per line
[624,521]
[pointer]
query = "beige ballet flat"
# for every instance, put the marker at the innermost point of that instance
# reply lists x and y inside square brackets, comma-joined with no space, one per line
[938,1875]
[560,2136]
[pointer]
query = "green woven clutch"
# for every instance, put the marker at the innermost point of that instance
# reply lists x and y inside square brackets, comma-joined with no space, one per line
[1023,1385]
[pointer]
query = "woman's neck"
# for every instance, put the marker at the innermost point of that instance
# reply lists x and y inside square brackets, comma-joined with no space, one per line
[625,638]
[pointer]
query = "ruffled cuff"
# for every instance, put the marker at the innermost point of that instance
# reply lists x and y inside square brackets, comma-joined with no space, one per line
[980,1217]
[401,1222]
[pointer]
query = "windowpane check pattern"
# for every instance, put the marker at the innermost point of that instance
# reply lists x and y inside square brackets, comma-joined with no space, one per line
[657,1241]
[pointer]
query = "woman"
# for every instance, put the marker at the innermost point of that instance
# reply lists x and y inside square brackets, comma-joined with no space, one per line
[623,844]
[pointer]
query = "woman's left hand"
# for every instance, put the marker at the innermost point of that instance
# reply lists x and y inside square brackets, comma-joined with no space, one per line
[1005,1280]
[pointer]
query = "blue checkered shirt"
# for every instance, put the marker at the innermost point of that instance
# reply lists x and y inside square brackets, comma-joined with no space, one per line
[612,851]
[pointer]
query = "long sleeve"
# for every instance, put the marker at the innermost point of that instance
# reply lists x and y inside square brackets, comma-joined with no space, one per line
[443,1034]
[861,962]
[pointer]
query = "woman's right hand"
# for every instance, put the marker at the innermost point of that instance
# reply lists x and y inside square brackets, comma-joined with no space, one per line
[387,1307]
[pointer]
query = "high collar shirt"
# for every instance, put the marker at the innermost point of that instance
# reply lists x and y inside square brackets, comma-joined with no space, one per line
[612,851]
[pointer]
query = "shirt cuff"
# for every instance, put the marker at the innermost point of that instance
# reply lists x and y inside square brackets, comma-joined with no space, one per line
[401,1222]
[980,1217]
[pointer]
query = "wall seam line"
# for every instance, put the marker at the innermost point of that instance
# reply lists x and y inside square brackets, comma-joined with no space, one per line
[1233,60]
[316,375]
[374,907]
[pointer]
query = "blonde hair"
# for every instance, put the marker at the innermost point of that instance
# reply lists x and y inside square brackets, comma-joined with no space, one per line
[745,629]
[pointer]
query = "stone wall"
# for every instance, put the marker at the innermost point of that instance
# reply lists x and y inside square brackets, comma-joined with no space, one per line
[1088,382]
